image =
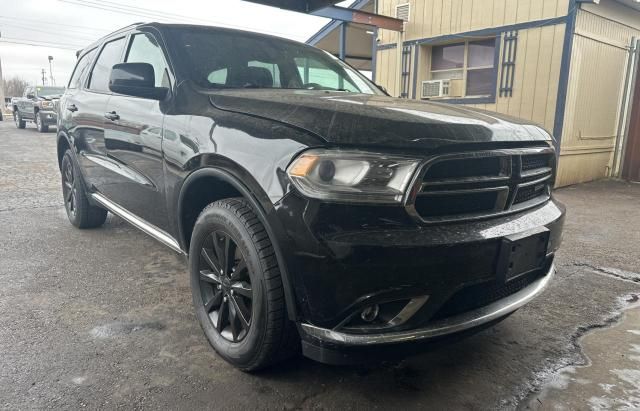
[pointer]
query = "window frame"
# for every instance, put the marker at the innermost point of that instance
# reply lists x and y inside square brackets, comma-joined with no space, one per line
[465,68]
[90,66]
[167,62]
[95,61]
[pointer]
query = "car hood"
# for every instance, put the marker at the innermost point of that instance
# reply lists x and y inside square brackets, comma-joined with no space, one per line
[372,120]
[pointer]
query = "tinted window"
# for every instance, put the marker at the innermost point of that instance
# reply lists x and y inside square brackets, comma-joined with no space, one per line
[218,77]
[109,56]
[81,69]
[145,49]
[218,59]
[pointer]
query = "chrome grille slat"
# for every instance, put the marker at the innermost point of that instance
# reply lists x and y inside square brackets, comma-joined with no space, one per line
[510,173]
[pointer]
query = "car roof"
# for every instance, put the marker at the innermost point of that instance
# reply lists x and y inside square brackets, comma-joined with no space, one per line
[161,26]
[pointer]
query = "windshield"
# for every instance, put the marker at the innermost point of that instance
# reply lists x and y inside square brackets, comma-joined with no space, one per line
[49,91]
[221,60]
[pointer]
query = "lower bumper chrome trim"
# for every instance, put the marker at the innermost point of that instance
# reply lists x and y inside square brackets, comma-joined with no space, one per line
[160,235]
[439,328]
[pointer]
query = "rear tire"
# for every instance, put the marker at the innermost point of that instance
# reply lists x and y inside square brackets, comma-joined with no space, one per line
[43,128]
[231,251]
[79,210]
[20,123]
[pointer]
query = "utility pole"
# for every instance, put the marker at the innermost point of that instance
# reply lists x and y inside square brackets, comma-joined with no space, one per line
[44,72]
[53,81]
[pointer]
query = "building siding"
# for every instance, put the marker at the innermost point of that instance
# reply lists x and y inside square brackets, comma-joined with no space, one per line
[598,63]
[431,18]
[598,68]
[539,49]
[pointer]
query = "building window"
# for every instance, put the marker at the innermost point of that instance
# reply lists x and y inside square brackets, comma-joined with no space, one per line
[471,61]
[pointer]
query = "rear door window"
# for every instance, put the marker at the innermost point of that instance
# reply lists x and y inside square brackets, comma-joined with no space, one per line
[109,56]
[81,69]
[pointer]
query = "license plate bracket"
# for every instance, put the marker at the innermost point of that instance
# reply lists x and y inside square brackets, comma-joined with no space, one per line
[522,253]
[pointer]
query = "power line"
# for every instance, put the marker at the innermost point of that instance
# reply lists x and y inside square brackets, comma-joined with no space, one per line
[55,24]
[40,44]
[50,32]
[143,12]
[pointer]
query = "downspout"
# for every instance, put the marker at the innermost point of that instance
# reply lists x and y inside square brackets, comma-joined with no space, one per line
[399,57]
[625,109]
[565,65]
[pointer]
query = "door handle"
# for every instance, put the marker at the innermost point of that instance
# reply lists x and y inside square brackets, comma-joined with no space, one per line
[72,108]
[111,115]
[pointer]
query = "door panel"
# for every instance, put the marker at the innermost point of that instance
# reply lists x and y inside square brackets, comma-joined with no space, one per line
[134,140]
[85,109]
[85,125]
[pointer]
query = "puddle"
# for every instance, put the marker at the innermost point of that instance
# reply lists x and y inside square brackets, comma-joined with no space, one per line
[118,329]
[610,379]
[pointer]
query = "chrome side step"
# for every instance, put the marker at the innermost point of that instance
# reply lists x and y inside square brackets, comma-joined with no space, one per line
[160,235]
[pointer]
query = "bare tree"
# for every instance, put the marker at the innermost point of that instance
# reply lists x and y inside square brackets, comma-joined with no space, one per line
[14,86]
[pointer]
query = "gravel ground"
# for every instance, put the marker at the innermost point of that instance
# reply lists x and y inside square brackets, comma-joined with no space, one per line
[102,318]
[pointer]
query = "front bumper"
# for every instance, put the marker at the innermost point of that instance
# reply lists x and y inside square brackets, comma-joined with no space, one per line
[447,326]
[345,258]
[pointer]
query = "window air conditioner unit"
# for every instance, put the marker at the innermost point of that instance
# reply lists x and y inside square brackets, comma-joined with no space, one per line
[441,88]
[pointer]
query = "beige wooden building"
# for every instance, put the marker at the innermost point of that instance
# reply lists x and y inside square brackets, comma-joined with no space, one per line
[568,65]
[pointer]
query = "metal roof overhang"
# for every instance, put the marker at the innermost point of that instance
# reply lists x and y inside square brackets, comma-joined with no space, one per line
[303,6]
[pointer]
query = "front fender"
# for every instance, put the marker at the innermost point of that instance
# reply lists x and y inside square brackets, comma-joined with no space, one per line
[252,192]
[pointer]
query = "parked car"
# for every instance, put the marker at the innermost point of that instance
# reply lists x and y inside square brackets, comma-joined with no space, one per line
[39,104]
[316,212]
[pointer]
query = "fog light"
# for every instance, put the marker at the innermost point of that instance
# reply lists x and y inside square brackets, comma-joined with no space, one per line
[370,313]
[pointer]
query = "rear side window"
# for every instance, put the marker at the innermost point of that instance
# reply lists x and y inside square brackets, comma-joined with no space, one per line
[109,56]
[144,48]
[81,69]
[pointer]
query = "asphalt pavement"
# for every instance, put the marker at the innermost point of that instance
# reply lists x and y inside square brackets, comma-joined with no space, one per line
[103,319]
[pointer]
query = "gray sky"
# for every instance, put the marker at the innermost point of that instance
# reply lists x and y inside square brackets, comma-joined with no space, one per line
[72,24]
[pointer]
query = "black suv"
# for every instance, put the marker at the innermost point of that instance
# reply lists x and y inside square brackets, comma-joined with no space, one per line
[316,211]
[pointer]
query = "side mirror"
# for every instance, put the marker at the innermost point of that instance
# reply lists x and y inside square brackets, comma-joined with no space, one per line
[136,79]
[31,96]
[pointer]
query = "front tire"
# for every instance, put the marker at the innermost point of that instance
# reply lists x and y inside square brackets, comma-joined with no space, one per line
[17,118]
[43,128]
[79,210]
[237,289]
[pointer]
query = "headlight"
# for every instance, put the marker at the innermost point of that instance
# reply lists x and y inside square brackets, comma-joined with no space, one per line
[46,104]
[343,175]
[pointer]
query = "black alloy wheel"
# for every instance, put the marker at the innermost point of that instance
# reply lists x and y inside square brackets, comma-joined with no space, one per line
[69,189]
[80,211]
[225,286]
[237,288]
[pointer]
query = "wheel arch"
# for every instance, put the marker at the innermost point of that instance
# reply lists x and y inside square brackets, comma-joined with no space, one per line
[62,146]
[228,185]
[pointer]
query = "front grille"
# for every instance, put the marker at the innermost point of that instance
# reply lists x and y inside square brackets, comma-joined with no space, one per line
[464,168]
[532,162]
[482,184]
[480,295]
[530,192]
[456,203]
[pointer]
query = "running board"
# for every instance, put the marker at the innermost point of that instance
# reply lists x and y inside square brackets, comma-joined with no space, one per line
[160,235]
